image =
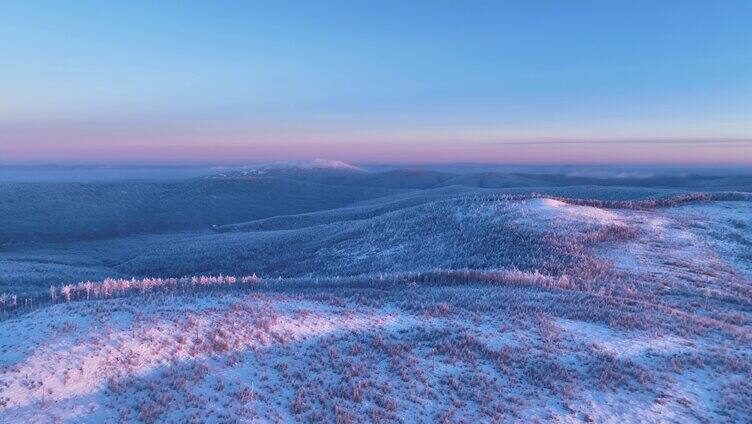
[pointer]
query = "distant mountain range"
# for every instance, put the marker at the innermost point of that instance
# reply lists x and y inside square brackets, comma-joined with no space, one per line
[46,211]
[333,172]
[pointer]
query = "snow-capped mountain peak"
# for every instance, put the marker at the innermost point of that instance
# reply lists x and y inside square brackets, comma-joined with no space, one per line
[332,164]
[273,167]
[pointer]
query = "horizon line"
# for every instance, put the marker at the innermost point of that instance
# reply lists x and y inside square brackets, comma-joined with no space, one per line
[192,164]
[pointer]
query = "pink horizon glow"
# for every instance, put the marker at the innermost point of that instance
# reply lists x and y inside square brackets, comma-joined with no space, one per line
[543,152]
[235,143]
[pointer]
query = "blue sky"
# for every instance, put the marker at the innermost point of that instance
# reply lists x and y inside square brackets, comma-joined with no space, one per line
[384,81]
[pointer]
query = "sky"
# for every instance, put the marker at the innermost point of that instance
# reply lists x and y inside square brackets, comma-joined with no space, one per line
[518,82]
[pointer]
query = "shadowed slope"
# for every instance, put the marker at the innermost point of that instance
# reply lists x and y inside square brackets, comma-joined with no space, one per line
[80,211]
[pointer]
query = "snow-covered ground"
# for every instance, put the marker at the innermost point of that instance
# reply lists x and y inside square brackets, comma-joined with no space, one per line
[643,315]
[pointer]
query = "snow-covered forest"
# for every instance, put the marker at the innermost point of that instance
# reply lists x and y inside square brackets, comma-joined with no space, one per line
[331,294]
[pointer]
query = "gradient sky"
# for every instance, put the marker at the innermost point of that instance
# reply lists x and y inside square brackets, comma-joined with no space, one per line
[386,81]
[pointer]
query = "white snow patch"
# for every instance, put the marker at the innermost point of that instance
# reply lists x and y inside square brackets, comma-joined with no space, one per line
[546,211]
